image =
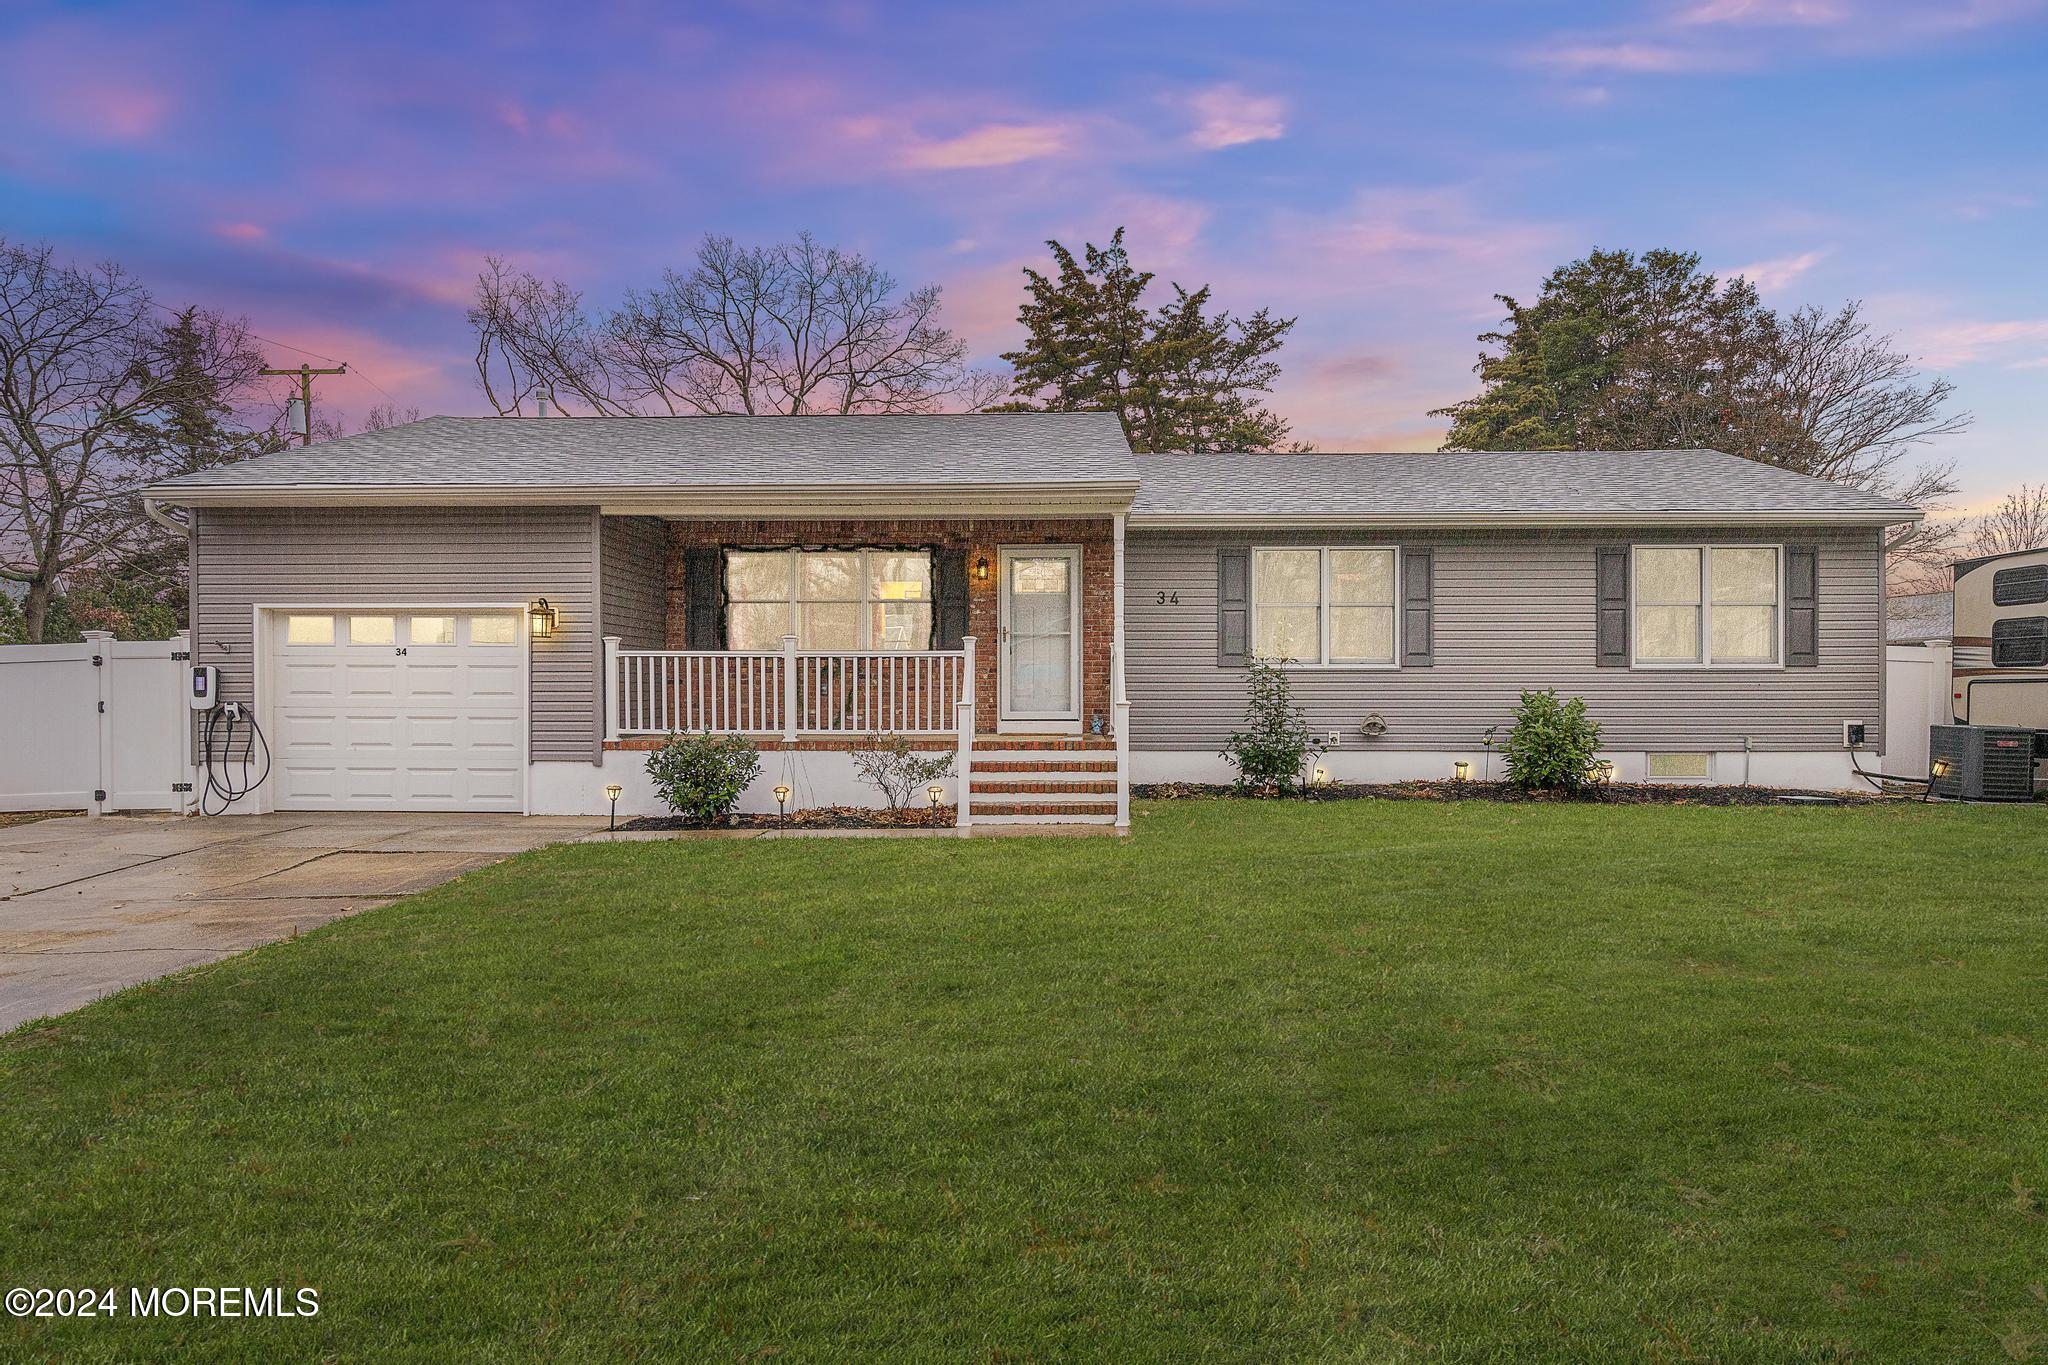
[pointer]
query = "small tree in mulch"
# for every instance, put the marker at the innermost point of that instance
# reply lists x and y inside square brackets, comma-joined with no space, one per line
[1275,743]
[701,777]
[890,765]
[1553,745]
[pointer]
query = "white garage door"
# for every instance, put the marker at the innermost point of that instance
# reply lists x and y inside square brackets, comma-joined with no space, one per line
[397,710]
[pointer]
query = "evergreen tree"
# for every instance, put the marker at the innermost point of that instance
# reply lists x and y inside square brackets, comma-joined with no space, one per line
[1182,378]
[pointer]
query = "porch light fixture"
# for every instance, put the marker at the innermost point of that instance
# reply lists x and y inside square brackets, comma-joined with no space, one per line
[781,804]
[541,618]
[981,569]
[1463,770]
[612,792]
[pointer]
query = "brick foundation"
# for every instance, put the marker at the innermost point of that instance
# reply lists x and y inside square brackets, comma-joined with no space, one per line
[980,539]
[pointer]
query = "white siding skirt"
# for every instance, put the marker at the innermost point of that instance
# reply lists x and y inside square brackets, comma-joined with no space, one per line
[1823,770]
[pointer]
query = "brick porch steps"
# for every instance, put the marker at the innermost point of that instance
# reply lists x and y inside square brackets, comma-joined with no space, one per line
[1044,779]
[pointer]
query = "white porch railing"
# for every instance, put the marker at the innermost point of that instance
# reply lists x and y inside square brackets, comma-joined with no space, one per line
[794,694]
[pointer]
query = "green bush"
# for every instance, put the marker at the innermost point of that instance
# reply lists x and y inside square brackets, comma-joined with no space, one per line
[1275,743]
[1553,743]
[700,777]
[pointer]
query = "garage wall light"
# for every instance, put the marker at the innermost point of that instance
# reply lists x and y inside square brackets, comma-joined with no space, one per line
[541,618]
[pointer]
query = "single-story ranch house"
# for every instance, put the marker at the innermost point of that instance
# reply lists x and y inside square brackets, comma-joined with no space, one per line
[490,614]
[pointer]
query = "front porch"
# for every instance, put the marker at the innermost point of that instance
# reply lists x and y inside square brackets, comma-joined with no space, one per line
[996,641]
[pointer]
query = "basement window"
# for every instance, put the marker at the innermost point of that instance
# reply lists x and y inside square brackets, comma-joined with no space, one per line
[1679,766]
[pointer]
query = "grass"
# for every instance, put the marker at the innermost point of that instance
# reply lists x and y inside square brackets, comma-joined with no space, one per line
[1372,1080]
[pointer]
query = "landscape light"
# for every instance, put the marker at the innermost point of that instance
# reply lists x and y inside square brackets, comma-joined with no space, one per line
[1463,770]
[935,791]
[1321,776]
[1604,771]
[781,803]
[613,791]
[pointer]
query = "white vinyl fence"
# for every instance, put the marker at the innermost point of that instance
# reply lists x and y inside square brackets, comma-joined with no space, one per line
[1916,695]
[99,726]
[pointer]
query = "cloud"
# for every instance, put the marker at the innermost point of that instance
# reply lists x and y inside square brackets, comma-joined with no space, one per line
[1432,242]
[1781,13]
[1358,367]
[1229,116]
[1776,274]
[240,232]
[992,144]
[1966,343]
[1629,57]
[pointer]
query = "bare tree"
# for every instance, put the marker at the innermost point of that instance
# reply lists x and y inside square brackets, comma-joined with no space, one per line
[791,328]
[2020,522]
[89,385]
[1856,408]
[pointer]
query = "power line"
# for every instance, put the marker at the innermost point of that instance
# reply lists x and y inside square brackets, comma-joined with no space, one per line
[287,346]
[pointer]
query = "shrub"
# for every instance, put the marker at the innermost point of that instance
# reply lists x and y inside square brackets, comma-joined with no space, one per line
[1275,742]
[1552,744]
[700,777]
[890,765]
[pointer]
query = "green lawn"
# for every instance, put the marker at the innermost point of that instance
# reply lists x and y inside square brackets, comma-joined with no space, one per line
[1370,1079]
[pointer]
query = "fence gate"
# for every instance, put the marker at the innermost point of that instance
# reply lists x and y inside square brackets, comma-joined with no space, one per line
[99,726]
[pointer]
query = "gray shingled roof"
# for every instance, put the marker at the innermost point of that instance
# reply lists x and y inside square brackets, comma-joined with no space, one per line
[1914,618]
[1482,485]
[700,452]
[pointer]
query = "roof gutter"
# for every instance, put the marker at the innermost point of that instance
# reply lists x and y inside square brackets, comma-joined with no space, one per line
[1174,521]
[703,500]
[153,509]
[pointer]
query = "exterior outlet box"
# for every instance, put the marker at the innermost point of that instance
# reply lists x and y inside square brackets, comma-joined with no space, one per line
[1336,738]
[1854,734]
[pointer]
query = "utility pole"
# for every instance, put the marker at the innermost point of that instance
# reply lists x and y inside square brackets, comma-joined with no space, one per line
[304,374]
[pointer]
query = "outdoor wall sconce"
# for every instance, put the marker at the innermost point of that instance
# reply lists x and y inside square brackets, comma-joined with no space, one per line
[613,791]
[1462,769]
[781,804]
[981,569]
[541,617]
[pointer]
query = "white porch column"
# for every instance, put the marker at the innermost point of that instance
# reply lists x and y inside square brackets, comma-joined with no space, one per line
[611,687]
[789,689]
[963,719]
[1119,702]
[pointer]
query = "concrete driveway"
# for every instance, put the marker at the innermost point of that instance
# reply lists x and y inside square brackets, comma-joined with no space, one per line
[89,906]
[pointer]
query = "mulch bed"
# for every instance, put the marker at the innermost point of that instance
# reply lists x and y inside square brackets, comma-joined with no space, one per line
[823,817]
[1611,794]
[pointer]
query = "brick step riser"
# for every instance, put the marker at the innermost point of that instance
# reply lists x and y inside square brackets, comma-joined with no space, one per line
[1077,788]
[1043,808]
[1039,746]
[1045,765]
[1049,821]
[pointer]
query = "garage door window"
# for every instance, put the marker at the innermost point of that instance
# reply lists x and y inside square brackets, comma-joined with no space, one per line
[370,630]
[433,630]
[492,630]
[309,630]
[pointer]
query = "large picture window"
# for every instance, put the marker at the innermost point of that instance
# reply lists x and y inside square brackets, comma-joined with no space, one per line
[1707,604]
[829,599]
[1323,606]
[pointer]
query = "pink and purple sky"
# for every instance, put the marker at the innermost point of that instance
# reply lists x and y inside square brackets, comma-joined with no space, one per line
[337,172]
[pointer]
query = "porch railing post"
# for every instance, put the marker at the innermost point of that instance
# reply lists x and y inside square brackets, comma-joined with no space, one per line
[611,687]
[963,717]
[789,688]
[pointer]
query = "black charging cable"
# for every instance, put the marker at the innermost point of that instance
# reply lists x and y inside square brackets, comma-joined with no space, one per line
[222,785]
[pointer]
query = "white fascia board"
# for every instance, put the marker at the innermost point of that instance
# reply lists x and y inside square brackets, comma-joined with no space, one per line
[1171,521]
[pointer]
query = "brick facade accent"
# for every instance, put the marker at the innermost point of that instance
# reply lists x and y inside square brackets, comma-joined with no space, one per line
[1094,535]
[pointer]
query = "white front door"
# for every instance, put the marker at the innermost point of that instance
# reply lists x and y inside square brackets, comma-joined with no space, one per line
[1040,610]
[402,709]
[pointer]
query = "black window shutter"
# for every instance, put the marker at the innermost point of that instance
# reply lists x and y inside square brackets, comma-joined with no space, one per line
[949,622]
[1610,580]
[704,594]
[1802,606]
[1418,608]
[1234,607]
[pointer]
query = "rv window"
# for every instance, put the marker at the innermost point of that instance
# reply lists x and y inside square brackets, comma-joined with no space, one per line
[2019,587]
[2020,642]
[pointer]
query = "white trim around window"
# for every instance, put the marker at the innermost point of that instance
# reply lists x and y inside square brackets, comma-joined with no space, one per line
[1370,610]
[1700,600]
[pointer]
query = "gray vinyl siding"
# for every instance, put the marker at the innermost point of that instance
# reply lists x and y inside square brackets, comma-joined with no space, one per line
[246,557]
[1513,610]
[633,581]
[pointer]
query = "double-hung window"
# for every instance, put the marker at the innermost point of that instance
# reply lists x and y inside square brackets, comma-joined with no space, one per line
[828,599]
[1323,606]
[1708,605]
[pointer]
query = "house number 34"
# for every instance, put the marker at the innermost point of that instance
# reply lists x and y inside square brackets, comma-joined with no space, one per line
[1169,597]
